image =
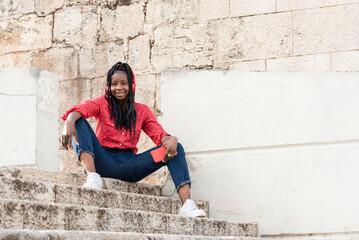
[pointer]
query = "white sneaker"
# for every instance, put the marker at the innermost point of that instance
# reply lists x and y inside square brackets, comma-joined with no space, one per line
[93,181]
[190,209]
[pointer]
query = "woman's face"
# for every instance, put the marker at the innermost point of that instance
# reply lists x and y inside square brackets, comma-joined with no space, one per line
[119,85]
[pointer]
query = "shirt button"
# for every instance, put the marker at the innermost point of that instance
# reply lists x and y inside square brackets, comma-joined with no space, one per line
[112,125]
[123,133]
[120,144]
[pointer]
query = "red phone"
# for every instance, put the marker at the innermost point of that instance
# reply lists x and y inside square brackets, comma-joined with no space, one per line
[159,153]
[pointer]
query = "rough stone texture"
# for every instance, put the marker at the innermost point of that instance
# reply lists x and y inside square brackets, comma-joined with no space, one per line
[98,86]
[317,31]
[26,33]
[252,38]
[11,214]
[131,221]
[62,61]
[183,46]
[139,54]
[209,227]
[42,175]
[67,159]
[44,7]
[321,63]
[14,188]
[124,22]
[79,90]
[78,180]
[12,7]
[21,189]
[146,90]
[80,218]
[43,216]
[22,59]
[345,61]
[257,65]
[76,25]
[339,2]
[288,5]
[91,235]
[213,9]
[159,12]
[251,7]
[96,60]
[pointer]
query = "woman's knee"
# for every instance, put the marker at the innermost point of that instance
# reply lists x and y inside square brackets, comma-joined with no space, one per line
[180,147]
[81,123]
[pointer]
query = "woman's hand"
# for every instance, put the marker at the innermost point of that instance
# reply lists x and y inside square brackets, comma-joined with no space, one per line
[67,133]
[170,142]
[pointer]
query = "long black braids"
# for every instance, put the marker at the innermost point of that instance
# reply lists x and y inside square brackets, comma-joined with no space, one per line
[123,118]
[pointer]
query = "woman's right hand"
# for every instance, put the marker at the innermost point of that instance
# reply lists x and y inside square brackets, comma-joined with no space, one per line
[68,132]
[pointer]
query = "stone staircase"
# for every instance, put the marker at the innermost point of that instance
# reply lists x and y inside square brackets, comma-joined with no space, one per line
[38,204]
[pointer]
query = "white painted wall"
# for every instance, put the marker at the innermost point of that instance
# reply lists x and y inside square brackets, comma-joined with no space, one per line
[277,148]
[29,108]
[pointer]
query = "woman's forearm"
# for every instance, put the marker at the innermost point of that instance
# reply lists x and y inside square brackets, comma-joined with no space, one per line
[73,117]
[167,137]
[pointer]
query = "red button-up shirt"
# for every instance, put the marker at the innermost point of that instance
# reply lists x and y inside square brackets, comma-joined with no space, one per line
[106,131]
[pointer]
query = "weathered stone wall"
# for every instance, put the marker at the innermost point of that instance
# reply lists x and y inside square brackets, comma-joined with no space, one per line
[81,39]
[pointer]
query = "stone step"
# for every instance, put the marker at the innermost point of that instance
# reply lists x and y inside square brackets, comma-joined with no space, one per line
[78,180]
[91,235]
[22,189]
[21,214]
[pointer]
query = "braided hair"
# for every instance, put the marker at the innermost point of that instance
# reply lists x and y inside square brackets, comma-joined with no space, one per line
[124,118]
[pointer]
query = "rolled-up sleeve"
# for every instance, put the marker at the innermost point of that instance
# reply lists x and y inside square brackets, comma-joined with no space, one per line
[152,128]
[89,108]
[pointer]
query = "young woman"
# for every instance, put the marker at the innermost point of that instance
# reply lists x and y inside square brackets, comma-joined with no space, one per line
[111,151]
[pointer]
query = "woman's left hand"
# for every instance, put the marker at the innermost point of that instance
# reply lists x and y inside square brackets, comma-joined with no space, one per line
[170,142]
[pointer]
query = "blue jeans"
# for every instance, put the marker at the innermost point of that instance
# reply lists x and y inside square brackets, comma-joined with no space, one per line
[124,164]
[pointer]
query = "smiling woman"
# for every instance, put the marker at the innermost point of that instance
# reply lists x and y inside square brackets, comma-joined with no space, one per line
[119,87]
[111,151]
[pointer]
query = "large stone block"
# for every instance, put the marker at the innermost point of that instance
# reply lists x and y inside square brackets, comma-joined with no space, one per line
[159,11]
[255,37]
[124,22]
[139,54]
[251,7]
[288,5]
[183,46]
[22,59]
[30,135]
[326,30]
[345,61]
[25,33]
[96,60]
[62,61]
[44,7]
[76,25]
[146,90]
[313,63]
[12,7]
[213,9]
[98,86]
[74,92]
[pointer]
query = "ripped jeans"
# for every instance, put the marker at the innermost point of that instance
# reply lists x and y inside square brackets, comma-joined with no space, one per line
[124,164]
